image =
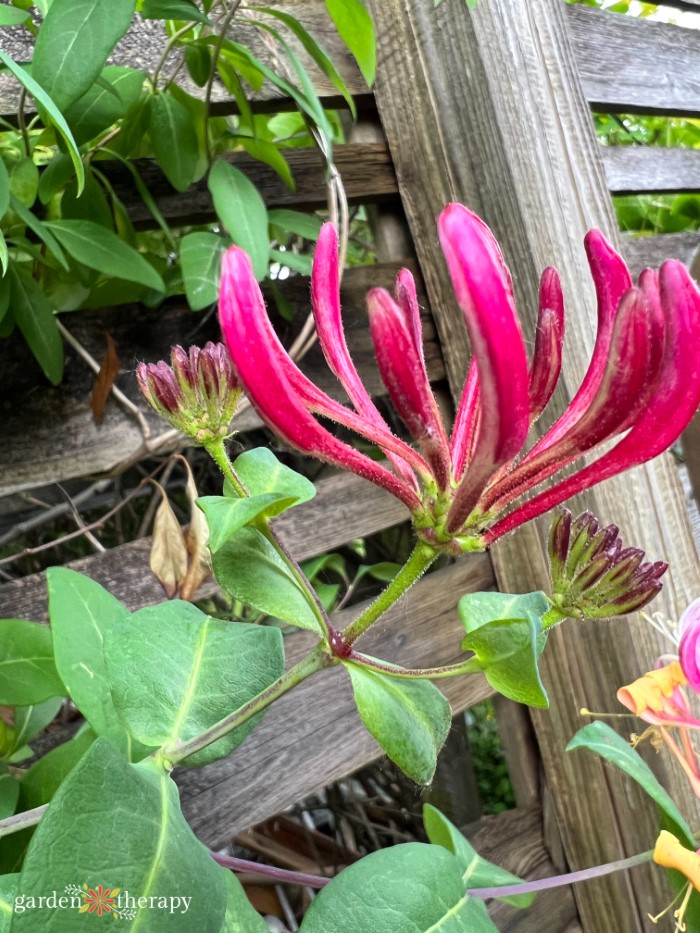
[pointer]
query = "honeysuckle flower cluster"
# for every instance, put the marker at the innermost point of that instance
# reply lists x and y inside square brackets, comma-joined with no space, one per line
[464,491]
[198,393]
[593,575]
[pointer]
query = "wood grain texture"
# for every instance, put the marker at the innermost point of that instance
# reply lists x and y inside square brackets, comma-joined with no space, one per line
[48,432]
[630,65]
[525,855]
[144,43]
[345,507]
[643,251]
[539,191]
[366,170]
[306,742]
[645,169]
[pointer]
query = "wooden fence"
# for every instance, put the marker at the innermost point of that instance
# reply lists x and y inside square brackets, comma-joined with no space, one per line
[491,108]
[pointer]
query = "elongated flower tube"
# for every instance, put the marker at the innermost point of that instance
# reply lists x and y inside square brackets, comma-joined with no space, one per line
[466,490]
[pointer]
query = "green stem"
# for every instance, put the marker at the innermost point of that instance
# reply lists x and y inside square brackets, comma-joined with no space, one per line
[217,450]
[470,666]
[422,557]
[315,661]
[553,617]
[13,824]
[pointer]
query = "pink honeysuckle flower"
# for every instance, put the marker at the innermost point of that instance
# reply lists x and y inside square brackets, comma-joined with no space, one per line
[689,645]
[641,389]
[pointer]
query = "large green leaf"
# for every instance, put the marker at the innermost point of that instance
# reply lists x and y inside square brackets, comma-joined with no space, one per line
[200,257]
[35,319]
[9,792]
[505,634]
[40,229]
[100,249]
[225,515]
[410,719]
[82,612]
[356,29]
[175,671]
[8,889]
[4,189]
[24,181]
[27,670]
[598,737]
[410,887]
[104,103]
[304,225]
[249,568]
[242,211]
[477,872]
[74,43]
[45,776]
[11,16]
[173,9]
[45,101]
[120,825]
[240,917]
[261,472]
[174,140]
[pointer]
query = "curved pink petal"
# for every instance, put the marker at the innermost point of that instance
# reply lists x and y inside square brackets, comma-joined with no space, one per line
[325,301]
[277,389]
[549,344]
[673,402]
[465,428]
[407,299]
[403,372]
[484,292]
[689,647]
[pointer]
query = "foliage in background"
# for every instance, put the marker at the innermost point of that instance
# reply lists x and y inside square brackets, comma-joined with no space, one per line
[66,238]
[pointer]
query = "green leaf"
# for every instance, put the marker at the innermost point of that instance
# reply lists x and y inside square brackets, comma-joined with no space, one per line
[598,737]
[261,472]
[82,612]
[175,671]
[241,210]
[241,916]
[45,101]
[40,230]
[24,181]
[105,103]
[412,886]
[55,176]
[31,720]
[91,205]
[356,29]
[9,794]
[174,140]
[173,9]
[249,568]
[36,320]
[4,262]
[100,249]
[8,889]
[121,826]
[27,670]
[11,16]
[410,719]
[307,226]
[300,263]
[74,43]
[225,515]
[4,189]
[269,154]
[505,634]
[315,52]
[477,872]
[43,779]
[200,257]
[198,61]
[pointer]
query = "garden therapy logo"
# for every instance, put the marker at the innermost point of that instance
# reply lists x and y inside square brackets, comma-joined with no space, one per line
[100,900]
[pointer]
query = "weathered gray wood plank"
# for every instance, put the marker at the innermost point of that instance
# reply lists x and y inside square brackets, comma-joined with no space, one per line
[345,507]
[645,169]
[366,170]
[540,192]
[48,432]
[306,742]
[643,251]
[629,65]
[525,854]
[143,46]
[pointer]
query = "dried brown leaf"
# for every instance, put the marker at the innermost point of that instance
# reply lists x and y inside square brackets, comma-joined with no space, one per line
[197,538]
[169,559]
[109,370]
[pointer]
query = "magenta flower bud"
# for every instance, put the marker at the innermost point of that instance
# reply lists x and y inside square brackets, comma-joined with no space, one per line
[198,393]
[593,576]
[689,648]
